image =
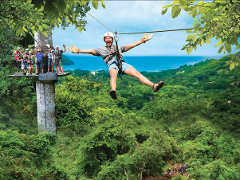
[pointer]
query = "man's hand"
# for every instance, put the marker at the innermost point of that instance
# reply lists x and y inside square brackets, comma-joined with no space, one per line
[74,49]
[64,48]
[146,37]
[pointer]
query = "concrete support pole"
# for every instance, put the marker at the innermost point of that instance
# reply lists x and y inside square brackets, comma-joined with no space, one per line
[46,107]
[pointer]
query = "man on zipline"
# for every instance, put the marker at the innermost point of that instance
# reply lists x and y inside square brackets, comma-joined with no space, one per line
[109,56]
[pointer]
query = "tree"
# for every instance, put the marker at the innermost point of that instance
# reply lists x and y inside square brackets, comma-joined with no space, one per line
[28,157]
[220,19]
[39,14]
[41,40]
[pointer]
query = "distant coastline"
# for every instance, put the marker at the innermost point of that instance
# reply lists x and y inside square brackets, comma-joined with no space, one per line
[141,63]
[66,60]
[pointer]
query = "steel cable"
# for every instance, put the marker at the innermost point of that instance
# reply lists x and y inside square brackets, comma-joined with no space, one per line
[138,32]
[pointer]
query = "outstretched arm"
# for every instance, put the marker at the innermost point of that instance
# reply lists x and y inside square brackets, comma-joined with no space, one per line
[74,49]
[130,46]
[90,51]
[145,38]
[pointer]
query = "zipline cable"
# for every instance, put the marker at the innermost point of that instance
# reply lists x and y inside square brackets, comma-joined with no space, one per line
[138,32]
[100,22]
[155,31]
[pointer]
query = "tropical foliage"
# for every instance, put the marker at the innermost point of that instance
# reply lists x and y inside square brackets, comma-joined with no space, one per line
[190,120]
[28,157]
[219,19]
[20,15]
[194,118]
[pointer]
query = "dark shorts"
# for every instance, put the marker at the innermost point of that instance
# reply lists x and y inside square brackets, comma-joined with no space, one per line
[56,62]
[18,63]
[31,62]
[40,65]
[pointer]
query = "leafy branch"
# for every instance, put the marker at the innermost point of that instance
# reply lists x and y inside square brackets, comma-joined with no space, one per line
[20,15]
[219,19]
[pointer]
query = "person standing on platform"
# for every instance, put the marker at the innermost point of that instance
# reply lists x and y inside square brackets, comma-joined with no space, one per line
[26,53]
[30,63]
[58,59]
[17,57]
[39,57]
[50,60]
[34,58]
[53,61]
[45,61]
[24,64]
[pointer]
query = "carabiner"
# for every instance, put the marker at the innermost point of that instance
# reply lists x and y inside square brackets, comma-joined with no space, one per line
[115,38]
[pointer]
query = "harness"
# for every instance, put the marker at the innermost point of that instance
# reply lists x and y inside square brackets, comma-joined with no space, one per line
[119,57]
[58,54]
[111,53]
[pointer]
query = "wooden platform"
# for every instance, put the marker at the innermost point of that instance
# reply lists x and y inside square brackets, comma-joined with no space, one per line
[65,73]
[34,75]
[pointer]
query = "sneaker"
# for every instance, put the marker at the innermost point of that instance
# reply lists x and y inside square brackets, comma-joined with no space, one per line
[158,86]
[113,94]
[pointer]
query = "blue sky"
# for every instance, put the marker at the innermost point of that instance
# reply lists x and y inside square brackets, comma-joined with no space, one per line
[135,16]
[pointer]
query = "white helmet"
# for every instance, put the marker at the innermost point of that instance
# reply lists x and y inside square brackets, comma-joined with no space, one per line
[108,34]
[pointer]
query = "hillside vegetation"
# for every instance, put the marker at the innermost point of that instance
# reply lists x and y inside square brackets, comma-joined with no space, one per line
[66,60]
[194,119]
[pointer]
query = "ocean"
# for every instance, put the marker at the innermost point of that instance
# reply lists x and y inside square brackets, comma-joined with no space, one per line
[141,63]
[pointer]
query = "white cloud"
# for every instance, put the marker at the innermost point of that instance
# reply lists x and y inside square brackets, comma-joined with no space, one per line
[134,16]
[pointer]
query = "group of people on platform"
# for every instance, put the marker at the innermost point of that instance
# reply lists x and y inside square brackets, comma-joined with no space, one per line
[25,60]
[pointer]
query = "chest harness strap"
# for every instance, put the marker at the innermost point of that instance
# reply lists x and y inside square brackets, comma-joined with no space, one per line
[111,53]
